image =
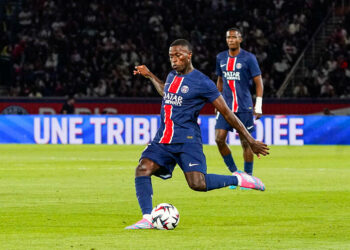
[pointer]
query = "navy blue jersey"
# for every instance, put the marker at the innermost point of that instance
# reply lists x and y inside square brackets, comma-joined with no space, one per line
[237,74]
[184,96]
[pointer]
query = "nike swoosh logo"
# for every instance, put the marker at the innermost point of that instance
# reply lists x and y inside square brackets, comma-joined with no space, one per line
[193,164]
[222,65]
[250,127]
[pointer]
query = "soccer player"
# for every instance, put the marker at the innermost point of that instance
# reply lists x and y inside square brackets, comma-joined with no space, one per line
[178,139]
[236,69]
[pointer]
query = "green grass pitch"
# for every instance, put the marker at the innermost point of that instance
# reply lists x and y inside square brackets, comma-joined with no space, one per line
[82,197]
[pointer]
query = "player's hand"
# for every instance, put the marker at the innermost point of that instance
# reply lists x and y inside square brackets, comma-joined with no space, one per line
[259,147]
[257,115]
[142,70]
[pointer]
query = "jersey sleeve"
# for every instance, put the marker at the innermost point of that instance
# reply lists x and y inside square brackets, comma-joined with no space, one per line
[218,70]
[253,66]
[209,90]
[169,77]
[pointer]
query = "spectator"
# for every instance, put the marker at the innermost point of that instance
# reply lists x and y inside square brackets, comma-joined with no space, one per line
[300,90]
[321,78]
[68,107]
[25,17]
[280,69]
[327,90]
[326,111]
[80,46]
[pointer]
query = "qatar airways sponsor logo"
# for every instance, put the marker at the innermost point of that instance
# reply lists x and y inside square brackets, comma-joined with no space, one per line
[172,99]
[232,75]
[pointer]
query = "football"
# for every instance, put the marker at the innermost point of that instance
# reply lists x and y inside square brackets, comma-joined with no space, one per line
[165,216]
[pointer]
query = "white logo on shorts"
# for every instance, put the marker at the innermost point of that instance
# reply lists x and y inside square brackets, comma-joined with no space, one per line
[193,164]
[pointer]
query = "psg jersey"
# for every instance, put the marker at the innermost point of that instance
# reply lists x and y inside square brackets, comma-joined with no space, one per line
[237,74]
[184,97]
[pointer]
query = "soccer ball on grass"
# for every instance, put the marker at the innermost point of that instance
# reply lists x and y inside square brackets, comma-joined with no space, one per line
[165,216]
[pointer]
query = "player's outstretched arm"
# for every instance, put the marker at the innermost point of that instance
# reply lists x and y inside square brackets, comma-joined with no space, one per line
[257,146]
[145,72]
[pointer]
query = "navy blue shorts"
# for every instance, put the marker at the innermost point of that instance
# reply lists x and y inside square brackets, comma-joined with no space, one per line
[246,118]
[189,156]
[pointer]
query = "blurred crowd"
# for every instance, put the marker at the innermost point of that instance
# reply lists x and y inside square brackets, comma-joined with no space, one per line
[89,48]
[329,76]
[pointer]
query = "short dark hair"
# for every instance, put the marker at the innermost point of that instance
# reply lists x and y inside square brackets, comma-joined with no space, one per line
[235,29]
[182,42]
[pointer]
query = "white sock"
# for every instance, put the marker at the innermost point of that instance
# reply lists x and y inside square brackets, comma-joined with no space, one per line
[147,217]
[239,178]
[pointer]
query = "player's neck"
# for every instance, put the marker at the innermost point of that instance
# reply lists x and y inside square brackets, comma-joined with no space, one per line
[187,70]
[234,52]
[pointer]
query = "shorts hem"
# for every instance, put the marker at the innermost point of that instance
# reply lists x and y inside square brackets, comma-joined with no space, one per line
[161,165]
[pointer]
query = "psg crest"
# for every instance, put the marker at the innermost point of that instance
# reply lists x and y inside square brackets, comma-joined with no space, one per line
[185,89]
[238,66]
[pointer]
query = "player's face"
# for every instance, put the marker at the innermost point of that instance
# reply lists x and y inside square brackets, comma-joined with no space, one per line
[180,57]
[233,39]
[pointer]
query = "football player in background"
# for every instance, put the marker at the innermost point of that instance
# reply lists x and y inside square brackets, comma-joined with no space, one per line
[237,69]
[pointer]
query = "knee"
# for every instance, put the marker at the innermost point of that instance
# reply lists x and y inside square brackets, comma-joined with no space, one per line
[144,169]
[220,141]
[247,150]
[199,185]
[245,145]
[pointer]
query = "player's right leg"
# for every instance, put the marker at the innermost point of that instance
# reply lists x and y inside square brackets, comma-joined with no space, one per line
[248,120]
[220,139]
[144,192]
[155,160]
[248,156]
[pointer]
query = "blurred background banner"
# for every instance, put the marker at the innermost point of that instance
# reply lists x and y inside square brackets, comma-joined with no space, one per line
[140,129]
[150,106]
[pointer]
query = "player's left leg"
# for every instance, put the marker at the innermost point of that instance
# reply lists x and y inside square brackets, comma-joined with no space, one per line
[193,163]
[205,182]
[248,156]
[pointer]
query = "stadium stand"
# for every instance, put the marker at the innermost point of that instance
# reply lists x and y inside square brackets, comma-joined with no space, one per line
[322,67]
[89,48]
[332,71]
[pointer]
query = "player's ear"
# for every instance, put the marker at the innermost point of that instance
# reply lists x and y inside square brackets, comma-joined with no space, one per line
[190,55]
